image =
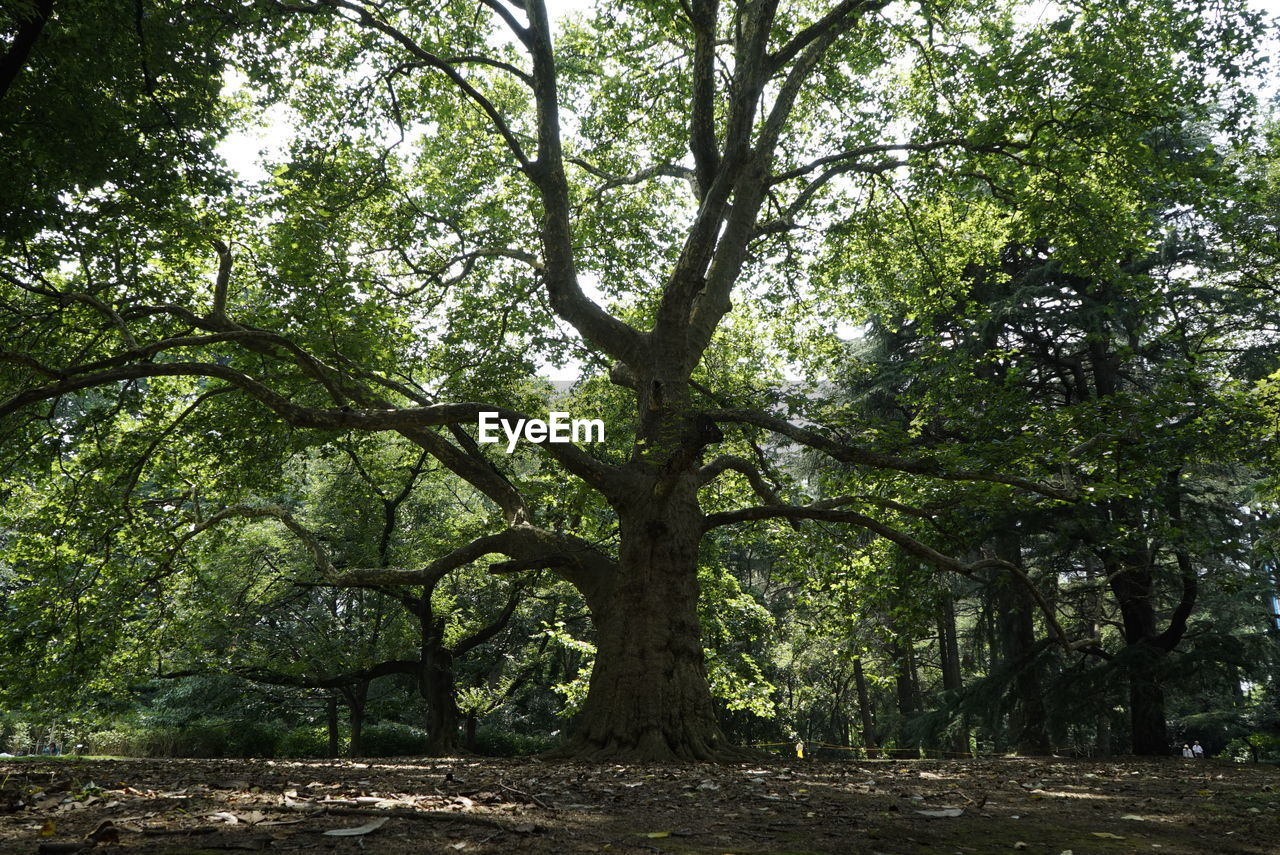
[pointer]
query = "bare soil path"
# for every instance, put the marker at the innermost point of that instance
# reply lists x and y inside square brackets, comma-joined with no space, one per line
[500,807]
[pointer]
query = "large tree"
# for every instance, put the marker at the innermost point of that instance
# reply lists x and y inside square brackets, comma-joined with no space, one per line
[475,189]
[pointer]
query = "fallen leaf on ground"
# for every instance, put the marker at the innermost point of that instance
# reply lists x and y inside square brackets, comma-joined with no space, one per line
[942,812]
[106,832]
[359,829]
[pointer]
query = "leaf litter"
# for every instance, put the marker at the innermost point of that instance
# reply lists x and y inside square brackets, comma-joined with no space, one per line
[500,807]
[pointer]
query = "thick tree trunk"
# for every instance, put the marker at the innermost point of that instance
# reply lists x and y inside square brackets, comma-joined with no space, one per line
[949,647]
[438,693]
[356,698]
[1016,609]
[1143,659]
[355,748]
[31,22]
[649,698]
[1133,584]
[1146,702]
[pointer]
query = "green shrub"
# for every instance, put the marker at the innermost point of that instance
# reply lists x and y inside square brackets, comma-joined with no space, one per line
[496,742]
[255,738]
[209,738]
[20,739]
[392,739]
[121,741]
[1256,747]
[196,739]
[305,742]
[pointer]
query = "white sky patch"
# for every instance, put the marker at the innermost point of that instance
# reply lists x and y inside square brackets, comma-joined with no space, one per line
[247,149]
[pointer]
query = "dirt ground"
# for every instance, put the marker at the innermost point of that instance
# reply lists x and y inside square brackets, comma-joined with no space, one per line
[1050,807]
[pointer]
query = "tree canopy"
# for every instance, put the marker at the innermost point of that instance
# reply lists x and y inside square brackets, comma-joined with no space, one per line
[970,287]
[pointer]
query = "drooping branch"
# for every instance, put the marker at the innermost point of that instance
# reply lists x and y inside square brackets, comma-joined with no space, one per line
[433,572]
[574,558]
[403,419]
[343,386]
[495,626]
[848,453]
[296,414]
[529,547]
[824,512]
[134,472]
[478,59]
[744,467]
[65,297]
[859,154]
[646,173]
[272,677]
[870,160]
[788,217]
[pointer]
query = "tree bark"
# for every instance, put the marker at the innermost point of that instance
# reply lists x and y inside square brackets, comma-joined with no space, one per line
[356,697]
[1102,745]
[1016,616]
[14,59]
[649,698]
[1132,582]
[864,708]
[904,685]
[1146,704]
[952,678]
[331,717]
[438,693]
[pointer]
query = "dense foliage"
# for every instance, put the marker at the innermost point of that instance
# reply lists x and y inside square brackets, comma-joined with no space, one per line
[936,346]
